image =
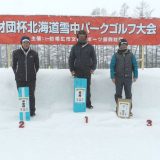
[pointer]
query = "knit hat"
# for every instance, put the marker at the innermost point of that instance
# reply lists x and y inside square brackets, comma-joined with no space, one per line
[82,32]
[123,41]
[25,39]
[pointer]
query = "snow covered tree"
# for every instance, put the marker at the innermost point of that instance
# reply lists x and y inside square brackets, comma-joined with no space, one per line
[124,10]
[143,10]
[99,12]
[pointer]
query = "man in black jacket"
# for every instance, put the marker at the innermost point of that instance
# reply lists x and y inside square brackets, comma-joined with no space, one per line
[83,61]
[25,64]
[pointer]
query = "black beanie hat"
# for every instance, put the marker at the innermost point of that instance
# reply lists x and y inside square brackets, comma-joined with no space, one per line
[123,41]
[82,32]
[25,38]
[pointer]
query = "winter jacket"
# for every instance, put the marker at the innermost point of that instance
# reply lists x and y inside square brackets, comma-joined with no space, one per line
[123,65]
[82,58]
[25,64]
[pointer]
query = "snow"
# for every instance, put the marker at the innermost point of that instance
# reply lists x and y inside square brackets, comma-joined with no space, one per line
[60,134]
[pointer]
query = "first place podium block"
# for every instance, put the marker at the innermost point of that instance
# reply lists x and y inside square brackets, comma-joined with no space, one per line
[80,89]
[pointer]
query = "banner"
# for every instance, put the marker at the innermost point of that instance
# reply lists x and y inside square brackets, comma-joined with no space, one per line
[63,29]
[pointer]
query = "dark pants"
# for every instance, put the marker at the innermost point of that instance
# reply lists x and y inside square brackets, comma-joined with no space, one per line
[88,77]
[31,86]
[127,84]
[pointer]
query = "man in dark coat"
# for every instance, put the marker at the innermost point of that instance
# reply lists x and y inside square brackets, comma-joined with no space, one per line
[83,61]
[25,64]
[123,70]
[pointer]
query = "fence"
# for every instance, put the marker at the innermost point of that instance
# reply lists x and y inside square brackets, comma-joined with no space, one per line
[56,56]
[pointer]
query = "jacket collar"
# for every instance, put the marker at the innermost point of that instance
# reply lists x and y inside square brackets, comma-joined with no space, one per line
[82,46]
[123,52]
[25,52]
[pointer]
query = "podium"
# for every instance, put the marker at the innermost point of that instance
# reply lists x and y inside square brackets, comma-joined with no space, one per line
[80,89]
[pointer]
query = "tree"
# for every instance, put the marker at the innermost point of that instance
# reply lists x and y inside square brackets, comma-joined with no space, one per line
[96,12]
[114,14]
[103,12]
[124,10]
[99,12]
[143,10]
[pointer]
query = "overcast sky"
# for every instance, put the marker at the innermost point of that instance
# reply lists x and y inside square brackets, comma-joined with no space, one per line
[71,7]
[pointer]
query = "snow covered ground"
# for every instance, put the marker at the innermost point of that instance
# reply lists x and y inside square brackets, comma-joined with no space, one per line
[60,134]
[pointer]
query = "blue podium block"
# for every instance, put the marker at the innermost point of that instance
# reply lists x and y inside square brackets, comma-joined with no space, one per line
[23,97]
[80,89]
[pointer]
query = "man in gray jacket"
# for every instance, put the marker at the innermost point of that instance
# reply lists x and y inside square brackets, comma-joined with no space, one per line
[123,70]
[83,61]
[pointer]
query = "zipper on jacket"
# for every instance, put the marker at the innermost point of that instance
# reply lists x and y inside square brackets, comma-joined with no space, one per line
[26,54]
[17,68]
[124,58]
[35,69]
[26,66]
